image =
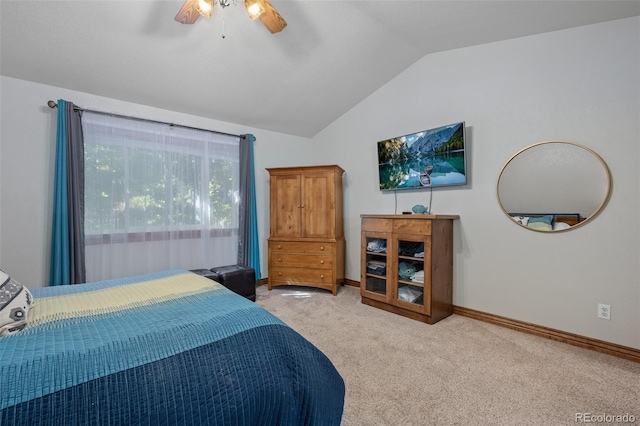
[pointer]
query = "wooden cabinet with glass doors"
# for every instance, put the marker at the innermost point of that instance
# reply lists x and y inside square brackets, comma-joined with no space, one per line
[407,265]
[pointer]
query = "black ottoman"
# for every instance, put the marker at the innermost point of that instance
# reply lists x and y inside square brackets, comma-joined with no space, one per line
[205,273]
[237,278]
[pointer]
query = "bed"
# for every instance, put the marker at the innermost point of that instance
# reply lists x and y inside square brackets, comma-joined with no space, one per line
[546,221]
[170,348]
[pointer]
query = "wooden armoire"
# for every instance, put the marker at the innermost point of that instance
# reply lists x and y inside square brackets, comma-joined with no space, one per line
[306,242]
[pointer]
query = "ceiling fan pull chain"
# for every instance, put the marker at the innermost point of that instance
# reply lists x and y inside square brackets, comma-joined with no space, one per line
[223,34]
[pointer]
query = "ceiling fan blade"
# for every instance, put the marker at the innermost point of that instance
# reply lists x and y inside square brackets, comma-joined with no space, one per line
[271,18]
[188,14]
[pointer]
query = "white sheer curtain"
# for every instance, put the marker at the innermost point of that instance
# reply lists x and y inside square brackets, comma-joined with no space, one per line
[157,197]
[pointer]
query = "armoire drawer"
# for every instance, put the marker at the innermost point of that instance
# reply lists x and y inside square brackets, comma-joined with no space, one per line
[295,260]
[301,247]
[280,275]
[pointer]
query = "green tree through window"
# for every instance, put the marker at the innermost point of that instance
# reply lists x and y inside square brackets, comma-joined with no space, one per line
[159,180]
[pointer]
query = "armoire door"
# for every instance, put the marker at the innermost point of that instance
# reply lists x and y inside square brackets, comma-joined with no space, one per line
[318,205]
[286,206]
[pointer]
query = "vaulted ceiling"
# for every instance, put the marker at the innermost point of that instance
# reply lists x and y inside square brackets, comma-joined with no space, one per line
[331,56]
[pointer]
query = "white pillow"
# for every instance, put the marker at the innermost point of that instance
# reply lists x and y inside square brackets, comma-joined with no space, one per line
[15,302]
[560,225]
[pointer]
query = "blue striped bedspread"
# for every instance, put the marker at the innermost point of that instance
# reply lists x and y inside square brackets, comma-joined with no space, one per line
[171,348]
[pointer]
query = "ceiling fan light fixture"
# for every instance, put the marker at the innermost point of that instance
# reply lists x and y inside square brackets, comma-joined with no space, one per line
[205,7]
[254,8]
[262,9]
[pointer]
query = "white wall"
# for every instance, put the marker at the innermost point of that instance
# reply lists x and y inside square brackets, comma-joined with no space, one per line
[27,147]
[580,85]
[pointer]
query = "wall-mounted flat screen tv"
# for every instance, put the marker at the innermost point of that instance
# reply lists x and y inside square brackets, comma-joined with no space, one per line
[428,159]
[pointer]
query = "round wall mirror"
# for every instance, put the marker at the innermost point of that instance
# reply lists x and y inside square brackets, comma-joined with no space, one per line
[553,186]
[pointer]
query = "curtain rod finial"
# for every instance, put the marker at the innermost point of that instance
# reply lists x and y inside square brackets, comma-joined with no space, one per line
[52,104]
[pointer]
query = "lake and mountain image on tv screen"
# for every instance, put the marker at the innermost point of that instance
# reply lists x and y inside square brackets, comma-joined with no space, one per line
[425,159]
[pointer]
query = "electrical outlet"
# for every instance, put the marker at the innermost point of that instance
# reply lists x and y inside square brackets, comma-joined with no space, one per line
[604,311]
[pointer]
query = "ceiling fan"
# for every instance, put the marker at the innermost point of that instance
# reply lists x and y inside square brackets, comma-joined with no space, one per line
[191,10]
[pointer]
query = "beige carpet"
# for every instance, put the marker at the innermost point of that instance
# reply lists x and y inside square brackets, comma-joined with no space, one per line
[459,371]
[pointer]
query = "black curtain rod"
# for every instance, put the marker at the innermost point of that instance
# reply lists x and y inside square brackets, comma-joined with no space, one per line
[52,104]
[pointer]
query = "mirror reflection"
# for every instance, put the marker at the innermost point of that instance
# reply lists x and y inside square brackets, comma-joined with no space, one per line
[553,186]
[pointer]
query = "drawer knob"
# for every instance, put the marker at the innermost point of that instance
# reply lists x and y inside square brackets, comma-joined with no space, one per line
[322,262]
[321,248]
[321,276]
[279,259]
[279,247]
[279,273]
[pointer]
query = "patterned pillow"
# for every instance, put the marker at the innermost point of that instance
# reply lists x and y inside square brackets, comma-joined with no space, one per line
[15,302]
[522,220]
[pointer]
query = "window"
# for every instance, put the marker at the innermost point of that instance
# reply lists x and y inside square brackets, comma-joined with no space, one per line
[147,182]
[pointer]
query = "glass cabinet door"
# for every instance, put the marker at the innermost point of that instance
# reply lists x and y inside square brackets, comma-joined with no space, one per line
[375,265]
[411,270]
